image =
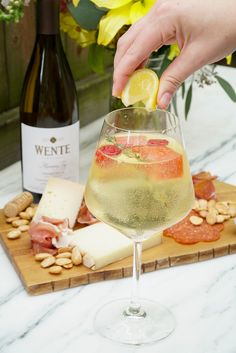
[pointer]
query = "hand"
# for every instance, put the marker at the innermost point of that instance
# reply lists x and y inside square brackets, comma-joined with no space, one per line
[205,31]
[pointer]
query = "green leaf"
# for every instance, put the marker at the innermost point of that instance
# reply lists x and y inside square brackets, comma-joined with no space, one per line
[183,89]
[174,104]
[188,101]
[166,62]
[96,58]
[159,67]
[86,14]
[227,88]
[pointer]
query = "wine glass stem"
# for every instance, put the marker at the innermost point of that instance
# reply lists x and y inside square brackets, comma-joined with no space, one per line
[134,307]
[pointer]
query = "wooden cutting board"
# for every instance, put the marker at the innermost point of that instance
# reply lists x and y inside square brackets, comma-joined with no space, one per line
[38,281]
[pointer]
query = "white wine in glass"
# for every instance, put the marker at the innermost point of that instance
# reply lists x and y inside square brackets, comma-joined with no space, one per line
[140,184]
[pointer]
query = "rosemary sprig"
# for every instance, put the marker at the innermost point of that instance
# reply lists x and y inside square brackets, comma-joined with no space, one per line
[129,153]
[126,151]
[111,139]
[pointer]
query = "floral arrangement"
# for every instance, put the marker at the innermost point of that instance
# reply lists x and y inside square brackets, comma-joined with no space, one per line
[12,10]
[98,24]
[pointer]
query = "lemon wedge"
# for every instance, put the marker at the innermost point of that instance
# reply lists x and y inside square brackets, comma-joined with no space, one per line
[142,86]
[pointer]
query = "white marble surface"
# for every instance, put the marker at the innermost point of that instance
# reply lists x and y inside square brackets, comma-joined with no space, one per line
[202,296]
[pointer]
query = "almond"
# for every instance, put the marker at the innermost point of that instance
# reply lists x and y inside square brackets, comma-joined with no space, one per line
[12,219]
[222,208]
[211,203]
[195,220]
[196,205]
[64,255]
[211,218]
[55,270]
[20,222]
[64,249]
[41,256]
[24,215]
[213,211]
[49,261]
[76,256]
[227,216]
[68,266]
[202,204]
[220,218]
[23,228]
[14,234]
[30,211]
[63,261]
[203,214]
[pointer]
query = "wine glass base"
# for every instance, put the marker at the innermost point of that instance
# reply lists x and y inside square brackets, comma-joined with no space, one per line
[112,321]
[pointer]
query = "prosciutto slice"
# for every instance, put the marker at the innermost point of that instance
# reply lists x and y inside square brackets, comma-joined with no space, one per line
[85,217]
[43,231]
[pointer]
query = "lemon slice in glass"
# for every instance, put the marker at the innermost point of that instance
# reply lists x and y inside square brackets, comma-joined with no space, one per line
[142,86]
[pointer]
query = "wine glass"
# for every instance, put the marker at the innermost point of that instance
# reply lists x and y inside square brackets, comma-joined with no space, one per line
[140,184]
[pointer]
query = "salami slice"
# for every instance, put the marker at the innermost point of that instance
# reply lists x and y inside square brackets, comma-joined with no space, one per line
[203,176]
[185,232]
[203,186]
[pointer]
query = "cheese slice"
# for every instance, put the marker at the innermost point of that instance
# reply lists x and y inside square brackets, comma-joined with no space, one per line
[101,244]
[61,199]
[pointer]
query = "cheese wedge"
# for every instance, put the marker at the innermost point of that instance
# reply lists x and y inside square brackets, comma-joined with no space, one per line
[101,244]
[61,199]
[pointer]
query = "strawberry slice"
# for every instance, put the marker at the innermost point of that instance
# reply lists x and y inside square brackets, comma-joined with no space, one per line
[106,150]
[157,142]
[129,141]
[169,164]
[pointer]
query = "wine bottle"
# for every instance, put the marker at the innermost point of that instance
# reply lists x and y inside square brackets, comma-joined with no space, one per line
[49,108]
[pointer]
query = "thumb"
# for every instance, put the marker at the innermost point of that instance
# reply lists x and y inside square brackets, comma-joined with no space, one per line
[175,74]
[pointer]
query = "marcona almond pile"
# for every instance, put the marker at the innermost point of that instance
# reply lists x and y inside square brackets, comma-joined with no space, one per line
[66,258]
[20,222]
[213,212]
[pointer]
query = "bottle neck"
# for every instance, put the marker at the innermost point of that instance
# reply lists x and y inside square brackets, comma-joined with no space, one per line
[48,17]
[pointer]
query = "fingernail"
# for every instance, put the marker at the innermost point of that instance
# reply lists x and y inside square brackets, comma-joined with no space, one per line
[165,100]
[115,93]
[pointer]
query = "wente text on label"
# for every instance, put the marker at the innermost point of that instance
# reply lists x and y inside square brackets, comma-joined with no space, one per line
[52,151]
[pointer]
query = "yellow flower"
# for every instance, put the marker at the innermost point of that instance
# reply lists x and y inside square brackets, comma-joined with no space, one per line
[174,51]
[122,12]
[139,9]
[75,2]
[229,59]
[111,23]
[110,4]
[81,36]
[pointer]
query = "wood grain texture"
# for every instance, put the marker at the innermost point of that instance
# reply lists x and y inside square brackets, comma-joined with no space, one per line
[19,40]
[9,143]
[3,71]
[16,45]
[38,281]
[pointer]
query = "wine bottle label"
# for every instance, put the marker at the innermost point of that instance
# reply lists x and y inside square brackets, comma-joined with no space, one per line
[49,153]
